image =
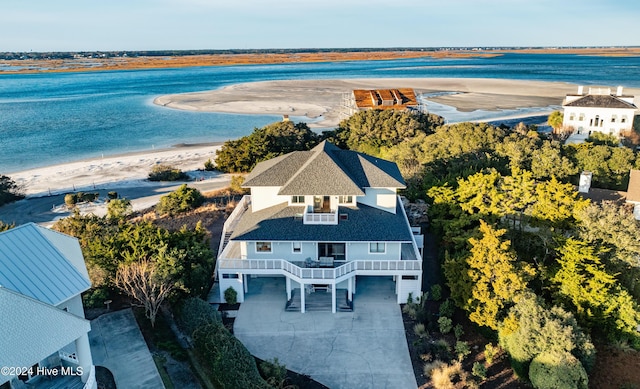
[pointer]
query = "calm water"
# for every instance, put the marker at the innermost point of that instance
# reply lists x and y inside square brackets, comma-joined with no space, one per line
[54,118]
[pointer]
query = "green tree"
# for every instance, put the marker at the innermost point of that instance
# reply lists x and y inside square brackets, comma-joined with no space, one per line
[241,155]
[495,278]
[557,203]
[548,161]
[9,190]
[558,371]
[555,120]
[182,199]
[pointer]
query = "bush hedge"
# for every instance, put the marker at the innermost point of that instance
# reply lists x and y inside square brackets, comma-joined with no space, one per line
[167,173]
[181,200]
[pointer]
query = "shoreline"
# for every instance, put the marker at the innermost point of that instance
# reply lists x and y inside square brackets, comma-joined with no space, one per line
[467,99]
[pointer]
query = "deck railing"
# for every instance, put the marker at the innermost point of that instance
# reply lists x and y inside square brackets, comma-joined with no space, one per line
[311,217]
[91,380]
[370,266]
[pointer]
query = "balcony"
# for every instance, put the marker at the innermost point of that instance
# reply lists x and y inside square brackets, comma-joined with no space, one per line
[311,217]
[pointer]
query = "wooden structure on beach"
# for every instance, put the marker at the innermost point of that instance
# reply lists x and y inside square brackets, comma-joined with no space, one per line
[367,99]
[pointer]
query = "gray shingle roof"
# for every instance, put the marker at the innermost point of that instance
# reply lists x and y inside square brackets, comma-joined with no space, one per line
[600,101]
[364,223]
[325,170]
[32,330]
[32,265]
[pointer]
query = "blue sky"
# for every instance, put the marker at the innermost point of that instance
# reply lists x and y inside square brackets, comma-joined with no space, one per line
[76,25]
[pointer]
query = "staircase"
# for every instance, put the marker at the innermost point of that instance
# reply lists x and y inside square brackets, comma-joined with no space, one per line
[225,240]
[319,301]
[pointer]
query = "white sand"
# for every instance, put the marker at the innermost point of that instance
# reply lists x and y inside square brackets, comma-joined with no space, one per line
[127,170]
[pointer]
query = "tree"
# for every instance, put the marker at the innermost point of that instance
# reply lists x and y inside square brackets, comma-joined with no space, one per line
[495,278]
[182,199]
[9,190]
[241,155]
[548,161]
[142,281]
[557,203]
[555,120]
[118,208]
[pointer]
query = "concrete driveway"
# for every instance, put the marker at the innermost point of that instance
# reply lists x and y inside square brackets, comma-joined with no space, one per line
[117,344]
[366,348]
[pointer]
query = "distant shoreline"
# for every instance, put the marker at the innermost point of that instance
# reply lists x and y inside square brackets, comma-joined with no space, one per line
[91,62]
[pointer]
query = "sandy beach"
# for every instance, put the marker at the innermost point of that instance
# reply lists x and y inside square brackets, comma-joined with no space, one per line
[482,99]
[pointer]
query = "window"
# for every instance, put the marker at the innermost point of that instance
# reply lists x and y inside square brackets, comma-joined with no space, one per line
[572,116]
[297,247]
[377,247]
[263,247]
[297,199]
[623,120]
[345,199]
[230,275]
[613,119]
[581,117]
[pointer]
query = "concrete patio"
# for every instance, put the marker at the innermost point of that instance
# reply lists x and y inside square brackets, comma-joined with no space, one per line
[366,348]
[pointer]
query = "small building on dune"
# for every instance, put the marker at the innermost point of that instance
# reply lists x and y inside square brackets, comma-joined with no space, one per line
[367,99]
[598,110]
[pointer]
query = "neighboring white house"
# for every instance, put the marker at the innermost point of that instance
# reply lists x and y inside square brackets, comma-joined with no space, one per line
[598,111]
[320,218]
[43,332]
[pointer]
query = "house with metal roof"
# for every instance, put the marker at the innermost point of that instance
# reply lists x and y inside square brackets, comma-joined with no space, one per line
[44,337]
[320,219]
[598,110]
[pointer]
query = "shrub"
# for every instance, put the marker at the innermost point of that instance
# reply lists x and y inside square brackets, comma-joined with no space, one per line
[181,200]
[9,190]
[95,297]
[458,331]
[112,195]
[228,363]
[441,349]
[230,295]
[118,208]
[445,324]
[196,313]
[167,173]
[236,184]
[557,371]
[479,370]
[436,292]
[273,371]
[209,165]
[429,367]
[490,352]
[420,330]
[447,308]
[451,376]
[70,199]
[462,350]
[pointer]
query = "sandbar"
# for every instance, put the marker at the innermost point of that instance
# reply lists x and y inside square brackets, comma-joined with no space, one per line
[323,99]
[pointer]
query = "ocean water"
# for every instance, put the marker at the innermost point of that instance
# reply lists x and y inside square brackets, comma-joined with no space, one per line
[61,117]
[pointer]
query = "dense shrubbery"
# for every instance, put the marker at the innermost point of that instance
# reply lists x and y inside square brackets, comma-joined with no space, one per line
[167,173]
[9,190]
[229,363]
[181,200]
[71,199]
[558,371]
[241,155]
[196,313]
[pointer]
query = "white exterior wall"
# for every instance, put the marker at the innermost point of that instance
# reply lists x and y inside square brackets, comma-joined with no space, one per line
[235,283]
[73,305]
[604,114]
[283,250]
[404,287]
[381,198]
[266,196]
[360,250]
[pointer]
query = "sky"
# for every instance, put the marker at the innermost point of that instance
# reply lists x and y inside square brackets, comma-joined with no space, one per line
[111,25]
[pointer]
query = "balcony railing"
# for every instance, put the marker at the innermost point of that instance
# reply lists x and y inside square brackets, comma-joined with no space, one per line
[281,266]
[311,217]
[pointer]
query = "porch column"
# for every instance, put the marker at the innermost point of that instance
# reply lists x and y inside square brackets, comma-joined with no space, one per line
[303,292]
[288,283]
[244,281]
[333,298]
[83,352]
[350,288]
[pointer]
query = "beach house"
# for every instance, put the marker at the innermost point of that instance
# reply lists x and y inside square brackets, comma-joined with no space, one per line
[44,338]
[319,220]
[598,110]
